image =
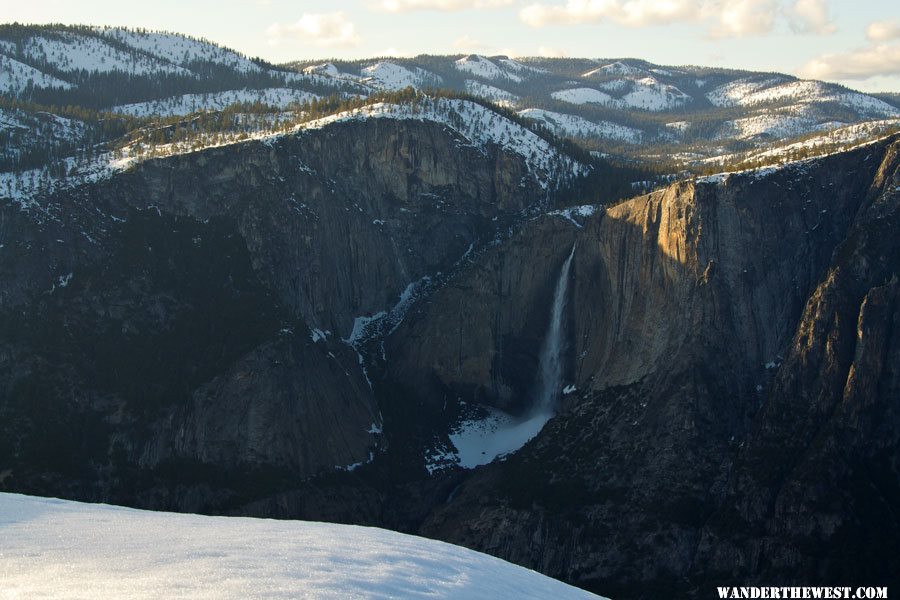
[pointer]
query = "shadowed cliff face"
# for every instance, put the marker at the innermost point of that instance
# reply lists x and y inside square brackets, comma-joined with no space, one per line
[816,485]
[689,325]
[189,313]
[186,335]
[657,279]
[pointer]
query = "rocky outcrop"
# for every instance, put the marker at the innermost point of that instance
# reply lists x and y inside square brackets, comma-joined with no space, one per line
[815,486]
[685,305]
[478,338]
[194,308]
[194,342]
[287,402]
[337,220]
[653,276]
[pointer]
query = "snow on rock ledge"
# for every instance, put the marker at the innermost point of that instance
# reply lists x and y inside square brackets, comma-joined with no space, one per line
[57,548]
[584,211]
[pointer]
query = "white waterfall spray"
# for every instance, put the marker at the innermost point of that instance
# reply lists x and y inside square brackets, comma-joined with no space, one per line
[550,365]
[480,441]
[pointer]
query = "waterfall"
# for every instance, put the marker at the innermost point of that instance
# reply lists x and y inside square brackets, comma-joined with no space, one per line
[480,441]
[550,365]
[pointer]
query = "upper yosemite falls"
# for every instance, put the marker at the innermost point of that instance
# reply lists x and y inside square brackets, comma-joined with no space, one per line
[634,327]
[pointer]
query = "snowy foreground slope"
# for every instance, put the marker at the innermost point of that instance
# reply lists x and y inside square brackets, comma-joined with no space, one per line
[59,548]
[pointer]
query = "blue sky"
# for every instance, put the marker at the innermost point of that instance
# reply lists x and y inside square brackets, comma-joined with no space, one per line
[855,42]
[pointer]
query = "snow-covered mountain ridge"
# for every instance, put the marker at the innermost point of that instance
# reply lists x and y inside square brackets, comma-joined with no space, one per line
[616,102]
[119,66]
[477,124]
[619,108]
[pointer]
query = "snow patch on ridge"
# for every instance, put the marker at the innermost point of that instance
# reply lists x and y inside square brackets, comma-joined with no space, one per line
[584,96]
[645,94]
[616,68]
[489,92]
[386,75]
[180,50]
[575,126]
[750,91]
[482,67]
[71,53]
[23,187]
[15,77]
[189,103]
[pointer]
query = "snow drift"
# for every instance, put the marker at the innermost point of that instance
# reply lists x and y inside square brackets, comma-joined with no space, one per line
[58,548]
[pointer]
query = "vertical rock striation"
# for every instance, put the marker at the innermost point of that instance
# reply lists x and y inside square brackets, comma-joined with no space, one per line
[735,363]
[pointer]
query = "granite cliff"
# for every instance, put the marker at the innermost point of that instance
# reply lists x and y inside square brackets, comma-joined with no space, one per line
[204,308]
[734,352]
[294,327]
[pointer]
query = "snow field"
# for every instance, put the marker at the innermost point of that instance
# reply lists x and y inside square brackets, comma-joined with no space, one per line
[389,76]
[15,77]
[71,53]
[482,67]
[575,126]
[189,103]
[61,549]
[180,50]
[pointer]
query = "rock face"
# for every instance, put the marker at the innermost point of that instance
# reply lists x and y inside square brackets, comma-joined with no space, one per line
[190,312]
[286,328]
[732,344]
[815,486]
[653,276]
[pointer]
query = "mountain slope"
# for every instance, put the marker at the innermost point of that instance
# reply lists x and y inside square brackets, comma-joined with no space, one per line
[101,68]
[623,108]
[311,325]
[422,311]
[698,350]
[631,93]
[360,208]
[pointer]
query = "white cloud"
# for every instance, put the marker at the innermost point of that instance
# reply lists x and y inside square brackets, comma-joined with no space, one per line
[864,63]
[320,29]
[467,43]
[722,18]
[397,6]
[395,52]
[633,13]
[880,58]
[551,52]
[883,31]
[810,16]
[739,18]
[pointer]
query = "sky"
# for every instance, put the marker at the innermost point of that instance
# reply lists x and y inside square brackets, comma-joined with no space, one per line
[853,42]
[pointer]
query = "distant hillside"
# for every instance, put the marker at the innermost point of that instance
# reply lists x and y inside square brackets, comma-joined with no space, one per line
[605,102]
[891,98]
[108,81]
